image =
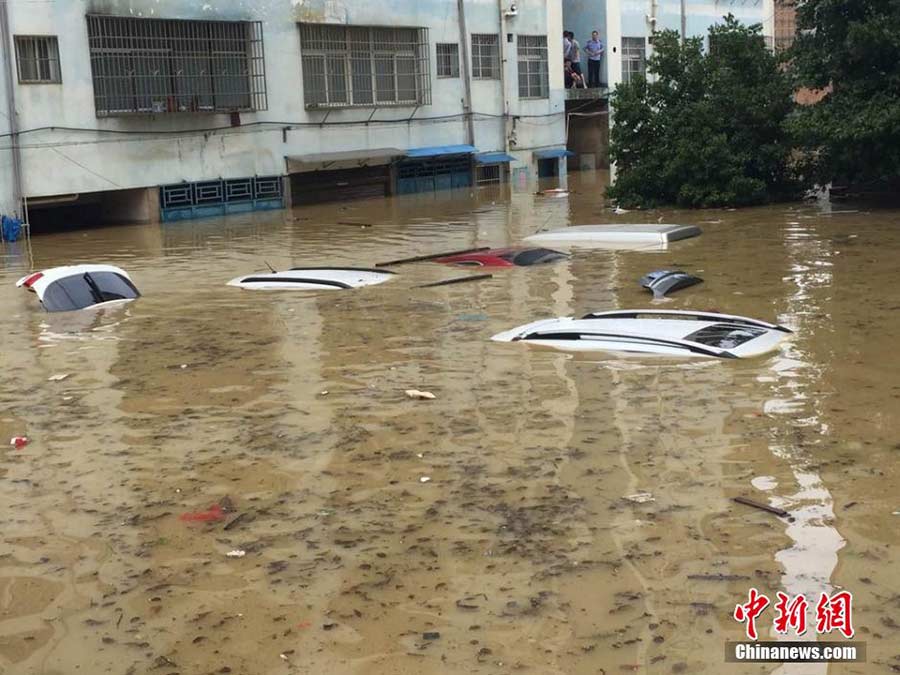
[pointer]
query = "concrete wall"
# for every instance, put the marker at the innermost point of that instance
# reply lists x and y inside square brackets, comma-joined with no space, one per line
[62,162]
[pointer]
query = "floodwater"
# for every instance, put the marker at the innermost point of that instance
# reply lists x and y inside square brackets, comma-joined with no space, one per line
[521,551]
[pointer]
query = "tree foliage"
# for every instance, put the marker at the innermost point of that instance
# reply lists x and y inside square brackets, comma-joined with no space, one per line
[851,48]
[707,129]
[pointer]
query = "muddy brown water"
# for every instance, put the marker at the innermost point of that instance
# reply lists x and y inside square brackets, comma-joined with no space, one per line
[521,551]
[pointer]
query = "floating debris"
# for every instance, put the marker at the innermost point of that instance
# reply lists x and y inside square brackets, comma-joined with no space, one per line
[457,280]
[236,553]
[432,256]
[214,513]
[420,395]
[19,442]
[762,507]
[718,577]
[640,498]
[59,377]
[425,479]
[234,522]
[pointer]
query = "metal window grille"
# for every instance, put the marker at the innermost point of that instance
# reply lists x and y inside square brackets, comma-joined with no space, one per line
[447,59]
[785,24]
[488,174]
[267,188]
[634,58]
[534,78]
[146,66]
[485,56]
[213,192]
[37,57]
[345,66]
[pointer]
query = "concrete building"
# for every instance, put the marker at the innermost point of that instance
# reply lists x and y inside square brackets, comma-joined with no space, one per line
[626,28]
[145,109]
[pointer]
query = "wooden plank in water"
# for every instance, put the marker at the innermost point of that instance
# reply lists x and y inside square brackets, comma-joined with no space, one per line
[457,280]
[420,258]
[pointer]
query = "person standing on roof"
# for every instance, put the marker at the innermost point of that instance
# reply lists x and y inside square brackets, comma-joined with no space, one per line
[575,53]
[594,49]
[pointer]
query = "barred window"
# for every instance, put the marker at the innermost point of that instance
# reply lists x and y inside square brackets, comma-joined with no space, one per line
[447,59]
[346,66]
[485,56]
[534,79]
[171,65]
[785,24]
[37,57]
[634,57]
[488,174]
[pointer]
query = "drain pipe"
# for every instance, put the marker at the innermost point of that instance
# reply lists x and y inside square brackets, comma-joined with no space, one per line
[503,93]
[467,72]
[11,108]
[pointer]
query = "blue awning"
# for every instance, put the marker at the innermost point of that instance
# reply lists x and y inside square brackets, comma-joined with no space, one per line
[553,153]
[438,150]
[493,158]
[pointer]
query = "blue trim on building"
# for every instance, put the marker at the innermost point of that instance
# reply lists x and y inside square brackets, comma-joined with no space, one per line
[493,158]
[553,153]
[439,150]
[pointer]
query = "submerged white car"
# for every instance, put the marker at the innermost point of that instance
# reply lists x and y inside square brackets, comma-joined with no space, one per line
[649,331]
[313,279]
[64,289]
[641,236]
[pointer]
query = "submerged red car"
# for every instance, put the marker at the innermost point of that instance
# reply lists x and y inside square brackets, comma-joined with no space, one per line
[504,257]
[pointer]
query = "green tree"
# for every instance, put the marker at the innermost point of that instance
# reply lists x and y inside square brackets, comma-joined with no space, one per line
[850,48]
[707,129]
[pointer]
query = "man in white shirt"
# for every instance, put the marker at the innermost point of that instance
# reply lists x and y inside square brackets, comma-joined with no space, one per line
[574,53]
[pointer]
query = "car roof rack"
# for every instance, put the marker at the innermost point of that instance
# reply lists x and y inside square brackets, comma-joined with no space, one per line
[686,345]
[686,314]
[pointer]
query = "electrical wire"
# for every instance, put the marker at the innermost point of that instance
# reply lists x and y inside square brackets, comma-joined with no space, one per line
[209,130]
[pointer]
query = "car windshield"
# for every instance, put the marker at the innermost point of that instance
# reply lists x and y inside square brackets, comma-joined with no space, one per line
[535,256]
[83,290]
[724,336]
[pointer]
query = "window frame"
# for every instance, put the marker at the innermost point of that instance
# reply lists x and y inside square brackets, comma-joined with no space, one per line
[631,55]
[451,55]
[51,59]
[529,56]
[485,51]
[350,61]
[149,66]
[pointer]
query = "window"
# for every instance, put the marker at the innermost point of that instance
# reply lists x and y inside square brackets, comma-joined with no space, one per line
[725,336]
[165,66]
[634,57]
[533,71]
[346,66]
[485,56]
[485,174]
[447,59]
[537,256]
[84,290]
[38,59]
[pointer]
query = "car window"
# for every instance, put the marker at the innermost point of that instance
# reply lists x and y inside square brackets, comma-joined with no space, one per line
[113,286]
[537,256]
[725,336]
[83,290]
